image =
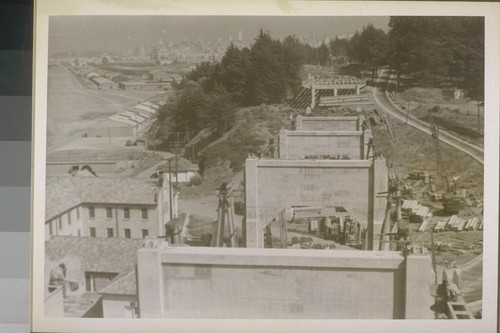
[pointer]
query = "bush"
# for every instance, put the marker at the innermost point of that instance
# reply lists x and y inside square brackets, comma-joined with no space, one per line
[195,180]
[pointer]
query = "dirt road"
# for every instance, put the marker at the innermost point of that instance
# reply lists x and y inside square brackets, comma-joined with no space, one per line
[383,101]
[71,107]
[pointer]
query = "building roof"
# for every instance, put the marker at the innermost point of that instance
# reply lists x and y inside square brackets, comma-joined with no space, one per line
[145,108]
[115,190]
[61,195]
[155,106]
[100,80]
[183,165]
[154,71]
[109,122]
[123,284]
[95,155]
[106,255]
[133,83]
[143,83]
[64,193]
[123,119]
[110,255]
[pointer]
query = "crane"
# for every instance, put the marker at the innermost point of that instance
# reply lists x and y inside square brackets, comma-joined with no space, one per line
[439,158]
[452,203]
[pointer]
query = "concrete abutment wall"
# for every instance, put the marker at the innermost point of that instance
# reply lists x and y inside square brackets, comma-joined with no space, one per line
[272,185]
[188,282]
[329,123]
[298,144]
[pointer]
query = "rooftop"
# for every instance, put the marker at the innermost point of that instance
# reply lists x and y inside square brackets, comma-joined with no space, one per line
[154,71]
[95,155]
[182,165]
[110,255]
[64,193]
[116,190]
[123,284]
[142,83]
[101,80]
[61,195]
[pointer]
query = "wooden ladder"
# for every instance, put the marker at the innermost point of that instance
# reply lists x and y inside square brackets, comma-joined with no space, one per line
[458,310]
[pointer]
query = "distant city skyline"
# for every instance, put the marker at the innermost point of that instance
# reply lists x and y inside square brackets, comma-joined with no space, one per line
[120,33]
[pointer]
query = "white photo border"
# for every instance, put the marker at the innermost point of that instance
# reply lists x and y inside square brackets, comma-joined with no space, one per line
[490,11]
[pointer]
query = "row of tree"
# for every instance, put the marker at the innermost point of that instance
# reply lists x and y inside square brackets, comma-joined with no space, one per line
[266,72]
[451,47]
[436,48]
[269,71]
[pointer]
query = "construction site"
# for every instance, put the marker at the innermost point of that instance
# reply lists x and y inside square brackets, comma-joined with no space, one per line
[328,187]
[352,209]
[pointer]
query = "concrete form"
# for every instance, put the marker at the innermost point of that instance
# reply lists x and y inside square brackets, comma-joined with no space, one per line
[329,123]
[193,282]
[298,144]
[334,84]
[272,185]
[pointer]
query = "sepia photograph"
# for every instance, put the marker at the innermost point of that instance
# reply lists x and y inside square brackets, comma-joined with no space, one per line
[284,162]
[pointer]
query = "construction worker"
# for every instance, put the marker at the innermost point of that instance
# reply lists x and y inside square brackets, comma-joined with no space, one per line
[58,275]
[441,298]
[452,291]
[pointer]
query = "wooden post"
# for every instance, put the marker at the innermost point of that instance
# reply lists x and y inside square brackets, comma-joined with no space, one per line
[232,228]
[170,189]
[479,118]
[407,113]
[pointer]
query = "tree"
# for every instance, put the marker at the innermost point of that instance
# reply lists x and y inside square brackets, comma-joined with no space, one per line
[219,112]
[371,47]
[294,55]
[266,76]
[340,49]
[451,47]
[323,55]
[232,73]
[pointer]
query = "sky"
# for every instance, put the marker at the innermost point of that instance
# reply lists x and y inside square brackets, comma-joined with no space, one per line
[119,33]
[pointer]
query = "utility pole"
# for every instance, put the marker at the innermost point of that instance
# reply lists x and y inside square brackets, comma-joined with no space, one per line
[174,147]
[479,117]
[440,168]
[407,112]
[170,188]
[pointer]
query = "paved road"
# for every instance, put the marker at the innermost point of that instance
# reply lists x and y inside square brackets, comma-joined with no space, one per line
[383,101]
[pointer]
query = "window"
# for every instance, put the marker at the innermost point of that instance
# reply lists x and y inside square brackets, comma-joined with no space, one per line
[92,232]
[109,212]
[131,310]
[96,281]
[145,233]
[126,233]
[91,212]
[109,232]
[144,214]
[126,213]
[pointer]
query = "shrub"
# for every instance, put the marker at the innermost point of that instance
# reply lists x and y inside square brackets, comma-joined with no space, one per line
[195,180]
